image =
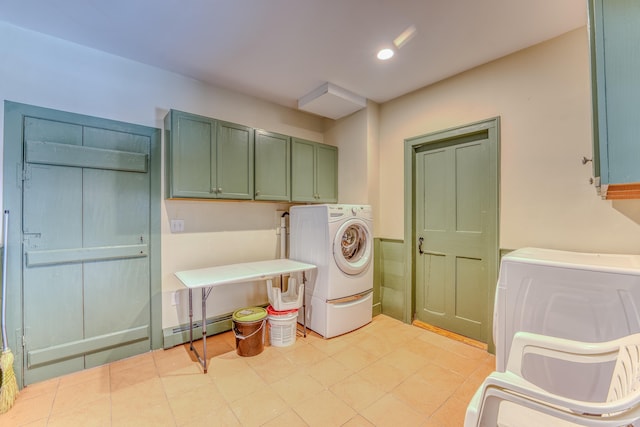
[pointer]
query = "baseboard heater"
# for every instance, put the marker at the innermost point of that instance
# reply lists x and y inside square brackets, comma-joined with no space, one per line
[180,334]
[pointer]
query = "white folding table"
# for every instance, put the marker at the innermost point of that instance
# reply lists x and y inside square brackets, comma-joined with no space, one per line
[207,278]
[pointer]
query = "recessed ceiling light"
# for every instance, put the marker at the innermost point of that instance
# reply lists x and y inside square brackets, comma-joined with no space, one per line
[385,54]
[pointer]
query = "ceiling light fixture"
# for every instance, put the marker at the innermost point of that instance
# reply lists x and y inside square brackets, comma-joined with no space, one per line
[398,42]
[331,101]
[385,54]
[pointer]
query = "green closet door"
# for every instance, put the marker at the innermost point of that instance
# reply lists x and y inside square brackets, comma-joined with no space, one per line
[86,282]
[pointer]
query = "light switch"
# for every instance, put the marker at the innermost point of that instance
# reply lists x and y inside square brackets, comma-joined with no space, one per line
[177,225]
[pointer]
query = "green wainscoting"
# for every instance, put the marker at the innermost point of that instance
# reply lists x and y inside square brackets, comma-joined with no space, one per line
[503,252]
[388,282]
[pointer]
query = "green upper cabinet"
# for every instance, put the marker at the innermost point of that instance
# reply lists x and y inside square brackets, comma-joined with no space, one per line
[190,153]
[615,67]
[314,172]
[211,159]
[207,158]
[327,173]
[234,175]
[272,166]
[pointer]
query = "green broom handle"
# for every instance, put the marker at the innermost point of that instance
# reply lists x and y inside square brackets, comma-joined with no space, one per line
[5,344]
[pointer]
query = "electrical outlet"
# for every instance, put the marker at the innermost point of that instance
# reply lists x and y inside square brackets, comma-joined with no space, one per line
[177,225]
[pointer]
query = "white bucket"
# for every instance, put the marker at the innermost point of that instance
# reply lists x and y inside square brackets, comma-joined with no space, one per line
[282,327]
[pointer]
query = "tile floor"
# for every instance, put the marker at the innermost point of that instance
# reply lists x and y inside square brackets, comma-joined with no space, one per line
[385,374]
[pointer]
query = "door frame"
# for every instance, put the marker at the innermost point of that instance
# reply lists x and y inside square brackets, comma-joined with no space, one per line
[411,146]
[13,165]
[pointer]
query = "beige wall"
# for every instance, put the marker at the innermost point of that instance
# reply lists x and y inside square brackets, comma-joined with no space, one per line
[356,137]
[373,158]
[349,134]
[49,72]
[542,96]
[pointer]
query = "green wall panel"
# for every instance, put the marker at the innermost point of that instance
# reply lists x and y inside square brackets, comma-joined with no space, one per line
[389,277]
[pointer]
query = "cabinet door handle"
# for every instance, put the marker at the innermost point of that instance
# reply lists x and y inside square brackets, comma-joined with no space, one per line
[420,242]
[258,193]
[219,190]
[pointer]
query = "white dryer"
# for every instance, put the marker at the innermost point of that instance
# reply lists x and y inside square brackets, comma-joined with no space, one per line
[338,239]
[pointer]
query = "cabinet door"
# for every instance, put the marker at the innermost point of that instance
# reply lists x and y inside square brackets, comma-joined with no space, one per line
[326,174]
[272,166]
[303,172]
[234,163]
[190,154]
[615,36]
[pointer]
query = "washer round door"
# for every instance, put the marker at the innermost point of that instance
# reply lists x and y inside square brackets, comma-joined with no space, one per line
[353,246]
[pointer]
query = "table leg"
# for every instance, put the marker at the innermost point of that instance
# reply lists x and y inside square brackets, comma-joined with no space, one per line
[204,330]
[304,303]
[202,359]
[190,319]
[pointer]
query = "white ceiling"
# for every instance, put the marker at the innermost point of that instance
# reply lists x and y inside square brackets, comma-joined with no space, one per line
[280,50]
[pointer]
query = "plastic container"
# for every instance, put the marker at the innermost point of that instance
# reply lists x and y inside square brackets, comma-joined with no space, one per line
[282,327]
[249,328]
[289,300]
[588,297]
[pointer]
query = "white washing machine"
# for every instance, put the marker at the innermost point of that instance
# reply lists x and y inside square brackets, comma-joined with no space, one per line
[338,239]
